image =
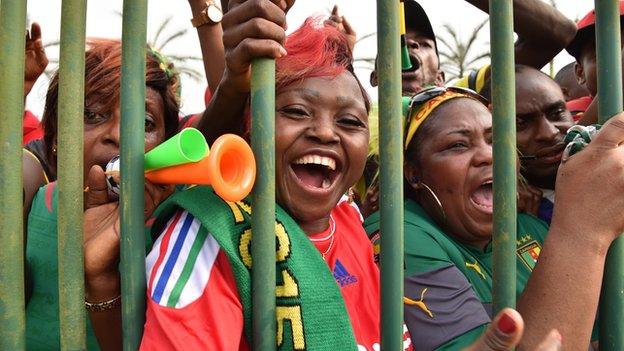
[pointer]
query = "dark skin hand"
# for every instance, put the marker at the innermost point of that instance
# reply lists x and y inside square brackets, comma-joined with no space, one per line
[101,248]
[251,28]
[577,234]
[340,22]
[542,31]
[35,59]
[496,339]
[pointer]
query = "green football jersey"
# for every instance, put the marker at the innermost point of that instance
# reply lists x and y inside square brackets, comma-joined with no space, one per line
[448,284]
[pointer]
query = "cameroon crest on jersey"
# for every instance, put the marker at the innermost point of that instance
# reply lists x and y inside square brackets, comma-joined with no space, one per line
[529,253]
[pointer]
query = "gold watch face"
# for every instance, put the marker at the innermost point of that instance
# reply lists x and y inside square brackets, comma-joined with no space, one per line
[214,13]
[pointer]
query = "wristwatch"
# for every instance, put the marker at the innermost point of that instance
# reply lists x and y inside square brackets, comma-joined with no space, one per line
[211,14]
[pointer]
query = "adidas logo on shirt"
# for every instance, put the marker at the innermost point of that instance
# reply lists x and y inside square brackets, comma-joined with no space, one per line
[342,276]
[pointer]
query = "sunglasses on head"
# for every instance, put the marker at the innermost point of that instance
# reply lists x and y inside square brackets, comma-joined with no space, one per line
[425,95]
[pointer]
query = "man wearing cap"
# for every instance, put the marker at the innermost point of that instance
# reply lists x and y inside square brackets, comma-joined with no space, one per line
[542,33]
[583,48]
[423,52]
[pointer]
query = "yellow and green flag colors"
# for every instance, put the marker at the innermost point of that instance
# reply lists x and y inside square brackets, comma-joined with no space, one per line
[406,63]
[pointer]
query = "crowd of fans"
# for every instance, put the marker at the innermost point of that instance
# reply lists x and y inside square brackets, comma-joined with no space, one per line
[198,260]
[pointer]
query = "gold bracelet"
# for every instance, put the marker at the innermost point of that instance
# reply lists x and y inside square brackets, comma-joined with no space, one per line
[104,305]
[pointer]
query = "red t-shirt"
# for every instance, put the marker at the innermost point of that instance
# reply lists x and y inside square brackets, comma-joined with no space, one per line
[578,106]
[193,301]
[31,129]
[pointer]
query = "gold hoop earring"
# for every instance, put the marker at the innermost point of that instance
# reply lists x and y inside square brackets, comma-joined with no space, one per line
[421,186]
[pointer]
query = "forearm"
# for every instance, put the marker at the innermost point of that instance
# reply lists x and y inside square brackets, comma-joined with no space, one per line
[563,290]
[590,116]
[211,42]
[542,30]
[106,324]
[224,114]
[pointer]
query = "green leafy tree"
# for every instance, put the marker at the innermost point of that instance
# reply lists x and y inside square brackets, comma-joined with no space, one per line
[457,57]
[160,40]
[163,36]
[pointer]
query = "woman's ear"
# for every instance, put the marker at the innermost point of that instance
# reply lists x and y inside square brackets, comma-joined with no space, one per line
[411,174]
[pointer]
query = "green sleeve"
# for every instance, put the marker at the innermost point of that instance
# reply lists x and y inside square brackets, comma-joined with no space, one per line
[371,223]
[423,251]
[533,225]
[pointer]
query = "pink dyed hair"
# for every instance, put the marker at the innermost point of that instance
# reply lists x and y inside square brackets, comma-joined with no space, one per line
[315,50]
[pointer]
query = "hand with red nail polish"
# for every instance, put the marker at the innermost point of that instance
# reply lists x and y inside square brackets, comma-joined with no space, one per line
[252,29]
[505,333]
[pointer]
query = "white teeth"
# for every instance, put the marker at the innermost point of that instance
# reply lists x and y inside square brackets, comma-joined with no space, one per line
[318,160]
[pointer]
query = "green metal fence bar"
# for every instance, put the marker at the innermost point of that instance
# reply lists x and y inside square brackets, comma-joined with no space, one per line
[134,34]
[70,175]
[505,157]
[262,220]
[609,66]
[12,42]
[391,174]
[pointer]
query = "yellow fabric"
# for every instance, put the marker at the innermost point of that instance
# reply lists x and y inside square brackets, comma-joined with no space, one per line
[481,78]
[373,148]
[464,82]
[402,17]
[419,116]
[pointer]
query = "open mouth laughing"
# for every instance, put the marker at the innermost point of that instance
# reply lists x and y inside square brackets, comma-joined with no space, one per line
[316,173]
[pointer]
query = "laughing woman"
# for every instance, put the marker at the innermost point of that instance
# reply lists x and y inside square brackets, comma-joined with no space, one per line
[448,220]
[321,145]
[327,288]
[102,122]
[448,232]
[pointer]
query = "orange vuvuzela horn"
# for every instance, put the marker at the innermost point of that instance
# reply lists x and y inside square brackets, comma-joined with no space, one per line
[229,167]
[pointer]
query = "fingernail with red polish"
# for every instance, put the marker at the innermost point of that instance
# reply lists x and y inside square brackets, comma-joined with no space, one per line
[506,324]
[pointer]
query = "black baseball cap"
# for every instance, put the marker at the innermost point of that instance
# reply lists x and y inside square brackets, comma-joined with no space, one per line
[416,19]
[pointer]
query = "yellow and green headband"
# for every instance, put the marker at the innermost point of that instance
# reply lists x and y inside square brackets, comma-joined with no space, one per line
[421,109]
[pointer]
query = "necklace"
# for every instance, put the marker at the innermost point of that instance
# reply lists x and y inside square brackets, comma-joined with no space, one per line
[328,248]
[332,230]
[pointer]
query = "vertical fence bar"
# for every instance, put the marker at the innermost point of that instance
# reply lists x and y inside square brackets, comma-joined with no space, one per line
[263,218]
[391,174]
[70,175]
[609,66]
[134,34]
[12,43]
[505,157]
